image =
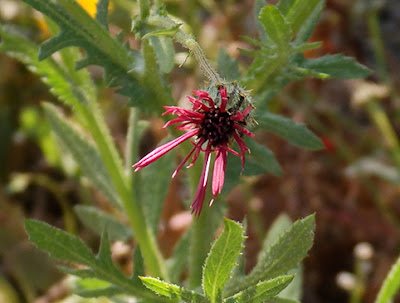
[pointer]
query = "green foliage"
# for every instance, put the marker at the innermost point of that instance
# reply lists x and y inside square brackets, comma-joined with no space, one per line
[84,153]
[77,28]
[65,247]
[153,200]
[227,66]
[179,260]
[280,257]
[261,292]
[295,133]
[173,291]
[99,221]
[391,284]
[221,259]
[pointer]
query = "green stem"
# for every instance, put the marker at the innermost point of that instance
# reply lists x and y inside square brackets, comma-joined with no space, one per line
[132,140]
[151,254]
[378,46]
[202,231]
[144,9]
[190,43]
[382,122]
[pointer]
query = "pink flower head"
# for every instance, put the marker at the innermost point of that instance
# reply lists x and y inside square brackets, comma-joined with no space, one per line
[213,127]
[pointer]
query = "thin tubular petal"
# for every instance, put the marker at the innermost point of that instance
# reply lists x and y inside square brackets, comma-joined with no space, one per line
[219,170]
[244,130]
[224,98]
[183,162]
[198,201]
[162,150]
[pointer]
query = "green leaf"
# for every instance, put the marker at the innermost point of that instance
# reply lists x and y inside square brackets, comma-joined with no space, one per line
[89,288]
[165,52]
[300,11]
[390,285]
[102,13]
[99,221]
[177,264]
[263,157]
[282,256]
[309,24]
[295,133]
[261,291]
[153,193]
[138,266]
[85,154]
[123,67]
[59,244]
[70,88]
[173,291]
[279,226]
[285,5]
[337,66]
[276,26]
[221,259]
[227,66]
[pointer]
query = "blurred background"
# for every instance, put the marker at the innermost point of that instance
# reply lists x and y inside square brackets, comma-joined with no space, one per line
[352,185]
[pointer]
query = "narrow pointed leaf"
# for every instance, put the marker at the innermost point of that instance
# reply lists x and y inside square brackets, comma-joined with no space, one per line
[85,154]
[276,26]
[391,284]
[221,259]
[165,52]
[337,66]
[310,23]
[282,256]
[98,221]
[295,133]
[300,11]
[58,243]
[173,291]
[262,291]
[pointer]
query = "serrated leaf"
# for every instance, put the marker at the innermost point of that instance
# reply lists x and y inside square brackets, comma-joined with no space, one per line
[294,290]
[121,68]
[279,226]
[179,260]
[82,273]
[227,66]
[295,133]
[282,256]
[58,243]
[17,46]
[262,291]
[276,26]
[390,285]
[173,291]
[221,259]
[85,154]
[98,221]
[153,193]
[337,66]
[165,52]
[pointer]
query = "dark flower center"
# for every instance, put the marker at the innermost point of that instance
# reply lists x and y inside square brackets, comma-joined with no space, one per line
[216,127]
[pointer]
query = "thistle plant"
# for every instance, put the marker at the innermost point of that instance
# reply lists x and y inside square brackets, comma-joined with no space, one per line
[221,121]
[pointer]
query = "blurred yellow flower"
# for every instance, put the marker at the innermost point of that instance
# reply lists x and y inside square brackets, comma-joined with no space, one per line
[89,6]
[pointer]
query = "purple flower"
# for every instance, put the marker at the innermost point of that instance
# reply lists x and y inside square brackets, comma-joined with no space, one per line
[213,128]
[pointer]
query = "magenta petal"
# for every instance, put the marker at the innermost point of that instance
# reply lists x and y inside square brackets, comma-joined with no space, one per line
[219,170]
[224,98]
[162,150]
[198,201]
